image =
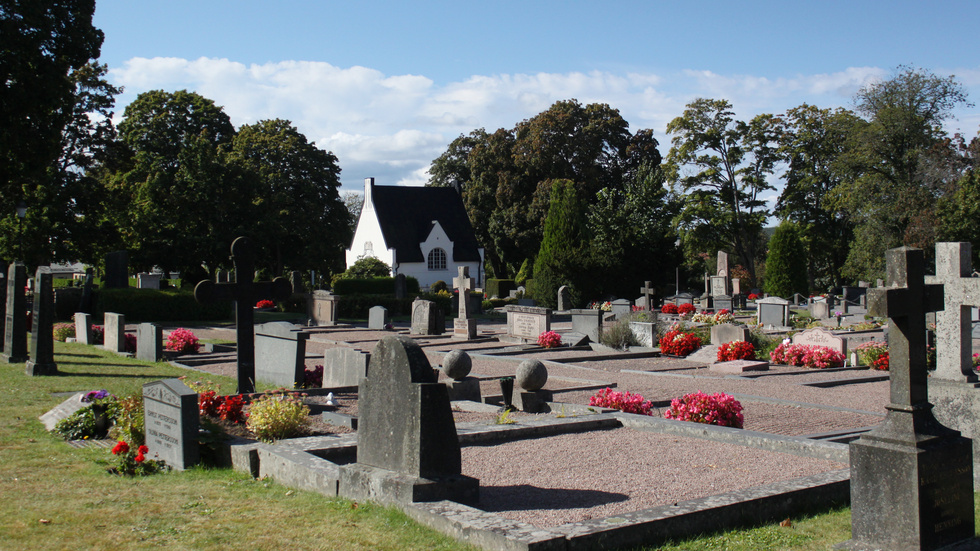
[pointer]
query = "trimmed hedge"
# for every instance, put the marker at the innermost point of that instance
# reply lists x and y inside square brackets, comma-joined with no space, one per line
[374,286]
[500,287]
[139,305]
[357,306]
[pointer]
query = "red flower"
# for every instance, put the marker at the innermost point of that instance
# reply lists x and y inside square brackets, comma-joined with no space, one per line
[139,458]
[143,449]
[121,447]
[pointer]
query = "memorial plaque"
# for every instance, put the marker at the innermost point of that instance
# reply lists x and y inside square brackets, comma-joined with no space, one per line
[821,337]
[527,322]
[719,286]
[172,419]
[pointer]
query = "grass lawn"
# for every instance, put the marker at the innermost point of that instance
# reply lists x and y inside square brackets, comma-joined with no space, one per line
[57,496]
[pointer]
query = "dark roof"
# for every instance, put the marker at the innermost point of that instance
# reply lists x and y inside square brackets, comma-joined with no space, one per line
[406,215]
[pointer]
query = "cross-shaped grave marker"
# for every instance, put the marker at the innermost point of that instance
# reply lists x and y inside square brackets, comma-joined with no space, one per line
[911,477]
[245,293]
[954,361]
[463,283]
[648,291]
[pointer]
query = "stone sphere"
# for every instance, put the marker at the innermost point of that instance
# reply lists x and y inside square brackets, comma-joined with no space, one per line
[532,375]
[457,365]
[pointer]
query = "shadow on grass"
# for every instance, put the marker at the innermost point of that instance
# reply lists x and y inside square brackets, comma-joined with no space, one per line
[97,363]
[125,375]
[79,355]
[526,497]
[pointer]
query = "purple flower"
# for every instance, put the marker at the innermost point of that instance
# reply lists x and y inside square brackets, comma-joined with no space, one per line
[93,395]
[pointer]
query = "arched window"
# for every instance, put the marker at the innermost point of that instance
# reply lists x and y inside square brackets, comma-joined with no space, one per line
[437,259]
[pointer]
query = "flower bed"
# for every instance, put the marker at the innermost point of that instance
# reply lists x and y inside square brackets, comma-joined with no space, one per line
[717,409]
[678,343]
[736,350]
[623,401]
[183,341]
[669,308]
[873,354]
[804,355]
[549,339]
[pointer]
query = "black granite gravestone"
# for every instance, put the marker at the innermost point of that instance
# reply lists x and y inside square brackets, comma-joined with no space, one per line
[407,446]
[116,270]
[15,323]
[85,304]
[911,477]
[245,293]
[401,286]
[3,300]
[41,361]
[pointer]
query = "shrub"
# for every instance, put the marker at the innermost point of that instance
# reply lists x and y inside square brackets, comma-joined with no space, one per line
[276,416]
[685,308]
[717,409]
[153,305]
[129,420]
[869,353]
[132,462]
[736,350]
[723,316]
[785,270]
[618,335]
[623,401]
[63,331]
[313,377]
[678,343]
[500,287]
[98,334]
[81,424]
[183,341]
[373,286]
[549,339]
[232,408]
[439,285]
[804,355]
[365,268]
[669,308]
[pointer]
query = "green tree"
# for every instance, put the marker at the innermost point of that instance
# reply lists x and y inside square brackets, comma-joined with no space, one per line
[785,270]
[44,47]
[892,201]
[722,166]
[297,189]
[814,143]
[366,268]
[564,257]
[959,212]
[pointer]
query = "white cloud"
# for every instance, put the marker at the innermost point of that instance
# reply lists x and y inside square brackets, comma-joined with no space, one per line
[392,127]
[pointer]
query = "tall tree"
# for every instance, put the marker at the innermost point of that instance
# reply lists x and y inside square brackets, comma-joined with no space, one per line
[43,43]
[722,166]
[564,257]
[814,143]
[785,271]
[892,201]
[297,189]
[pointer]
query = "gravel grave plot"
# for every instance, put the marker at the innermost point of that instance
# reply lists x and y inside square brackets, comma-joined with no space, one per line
[574,477]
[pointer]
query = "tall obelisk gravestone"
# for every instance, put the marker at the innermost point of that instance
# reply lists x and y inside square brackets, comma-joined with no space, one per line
[911,477]
[41,361]
[15,321]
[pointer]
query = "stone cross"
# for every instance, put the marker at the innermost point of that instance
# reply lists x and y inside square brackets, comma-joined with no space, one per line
[911,477]
[463,283]
[245,293]
[647,291]
[954,360]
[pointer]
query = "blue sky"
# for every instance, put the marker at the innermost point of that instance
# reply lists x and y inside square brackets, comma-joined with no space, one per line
[387,85]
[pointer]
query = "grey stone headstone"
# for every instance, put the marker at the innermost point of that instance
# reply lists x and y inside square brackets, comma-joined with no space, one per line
[172,421]
[407,446]
[149,342]
[323,308]
[280,354]
[728,332]
[377,317]
[736,286]
[527,322]
[3,301]
[911,477]
[83,328]
[116,270]
[645,332]
[719,286]
[427,318]
[954,347]
[587,322]
[115,332]
[819,336]
[773,311]
[621,307]
[148,281]
[401,286]
[724,302]
[564,298]
[41,361]
[15,324]
[296,282]
[722,264]
[344,367]
[683,298]
[820,310]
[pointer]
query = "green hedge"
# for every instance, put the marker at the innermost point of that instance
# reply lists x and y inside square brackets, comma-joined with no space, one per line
[374,286]
[500,287]
[357,306]
[139,305]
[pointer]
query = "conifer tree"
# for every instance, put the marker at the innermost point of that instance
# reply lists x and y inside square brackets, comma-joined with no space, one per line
[564,257]
[785,265]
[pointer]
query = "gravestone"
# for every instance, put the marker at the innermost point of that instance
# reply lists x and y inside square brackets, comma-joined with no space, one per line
[564,299]
[413,455]
[116,270]
[773,312]
[15,321]
[724,302]
[3,301]
[621,308]
[115,332]
[736,286]
[149,342]
[683,298]
[819,336]
[719,286]
[427,318]
[83,328]
[464,327]
[344,367]
[41,361]
[722,268]
[63,410]
[148,281]
[728,332]
[648,292]
[323,308]
[280,354]
[911,477]
[245,293]
[820,310]
[377,318]
[401,286]
[587,322]
[527,322]
[735,367]
[172,420]
[296,282]
[645,331]
[221,276]
[85,303]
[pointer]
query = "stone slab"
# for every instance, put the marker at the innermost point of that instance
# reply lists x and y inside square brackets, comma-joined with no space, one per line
[739,366]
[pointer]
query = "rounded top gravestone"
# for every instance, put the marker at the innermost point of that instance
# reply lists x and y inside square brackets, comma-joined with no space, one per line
[457,365]
[532,375]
